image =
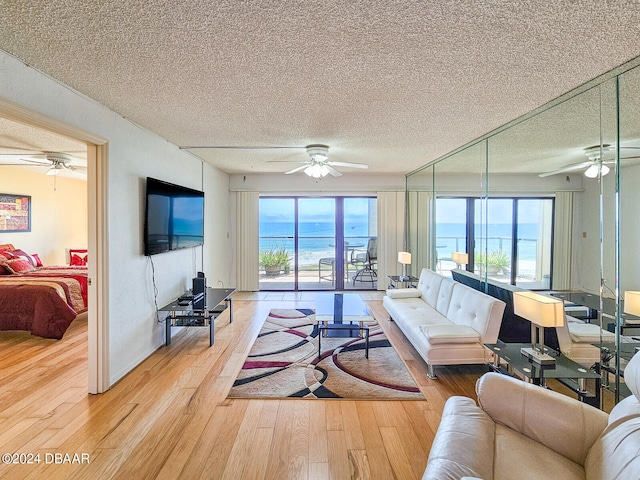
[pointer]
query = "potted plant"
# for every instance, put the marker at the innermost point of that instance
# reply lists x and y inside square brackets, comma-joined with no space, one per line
[497,261]
[271,262]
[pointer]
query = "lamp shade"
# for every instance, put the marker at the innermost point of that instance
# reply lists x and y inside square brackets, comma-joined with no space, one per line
[539,309]
[404,258]
[460,258]
[632,302]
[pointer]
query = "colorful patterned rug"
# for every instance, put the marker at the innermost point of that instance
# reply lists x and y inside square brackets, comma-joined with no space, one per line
[283,362]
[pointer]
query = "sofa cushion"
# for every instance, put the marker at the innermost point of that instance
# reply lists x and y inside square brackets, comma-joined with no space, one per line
[531,459]
[444,295]
[429,286]
[476,310]
[581,332]
[450,334]
[403,293]
[553,419]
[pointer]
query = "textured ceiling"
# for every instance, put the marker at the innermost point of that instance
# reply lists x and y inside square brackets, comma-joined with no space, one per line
[391,83]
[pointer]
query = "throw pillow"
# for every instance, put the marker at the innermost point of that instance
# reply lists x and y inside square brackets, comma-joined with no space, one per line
[37,260]
[18,265]
[78,260]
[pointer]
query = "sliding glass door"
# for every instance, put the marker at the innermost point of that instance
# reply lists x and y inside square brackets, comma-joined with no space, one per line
[325,243]
[512,238]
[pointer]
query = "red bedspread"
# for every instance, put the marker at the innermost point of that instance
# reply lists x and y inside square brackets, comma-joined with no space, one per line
[39,308]
[44,302]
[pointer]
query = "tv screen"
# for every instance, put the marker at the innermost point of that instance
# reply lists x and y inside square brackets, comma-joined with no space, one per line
[174,217]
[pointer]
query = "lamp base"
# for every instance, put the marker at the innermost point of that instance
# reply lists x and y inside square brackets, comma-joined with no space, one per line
[537,356]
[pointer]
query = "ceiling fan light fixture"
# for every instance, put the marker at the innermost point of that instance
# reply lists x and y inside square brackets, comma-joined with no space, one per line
[316,170]
[595,169]
[54,170]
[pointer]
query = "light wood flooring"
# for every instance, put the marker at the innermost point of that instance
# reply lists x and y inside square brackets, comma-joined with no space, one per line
[169,418]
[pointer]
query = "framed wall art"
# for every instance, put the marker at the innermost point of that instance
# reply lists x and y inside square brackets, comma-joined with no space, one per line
[15,213]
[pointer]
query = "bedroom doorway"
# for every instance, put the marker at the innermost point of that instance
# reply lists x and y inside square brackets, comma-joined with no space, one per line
[93,221]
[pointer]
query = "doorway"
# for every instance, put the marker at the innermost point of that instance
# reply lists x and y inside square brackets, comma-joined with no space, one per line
[96,149]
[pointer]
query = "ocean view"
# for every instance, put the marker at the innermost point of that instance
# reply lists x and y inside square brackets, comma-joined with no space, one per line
[316,239]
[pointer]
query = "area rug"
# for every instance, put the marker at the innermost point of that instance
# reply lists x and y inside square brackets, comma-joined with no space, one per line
[284,363]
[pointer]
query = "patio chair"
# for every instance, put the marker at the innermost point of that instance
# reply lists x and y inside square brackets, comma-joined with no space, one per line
[366,262]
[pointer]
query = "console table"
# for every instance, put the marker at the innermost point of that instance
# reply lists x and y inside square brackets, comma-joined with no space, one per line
[182,312]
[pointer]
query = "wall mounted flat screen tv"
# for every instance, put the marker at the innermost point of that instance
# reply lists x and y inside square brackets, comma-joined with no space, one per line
[174,217]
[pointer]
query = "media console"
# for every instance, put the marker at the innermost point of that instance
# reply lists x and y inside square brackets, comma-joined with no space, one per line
[198,311]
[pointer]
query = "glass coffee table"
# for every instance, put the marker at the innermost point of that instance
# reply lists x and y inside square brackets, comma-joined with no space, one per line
[509,360]
[342,315]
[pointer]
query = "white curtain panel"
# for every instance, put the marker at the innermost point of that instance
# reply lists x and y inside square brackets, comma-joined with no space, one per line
[391,209]
[419,218]
[563,240]
[247,238]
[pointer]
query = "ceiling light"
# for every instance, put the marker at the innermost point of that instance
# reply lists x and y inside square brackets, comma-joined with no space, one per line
[595,169]
[54,170]
[316,170]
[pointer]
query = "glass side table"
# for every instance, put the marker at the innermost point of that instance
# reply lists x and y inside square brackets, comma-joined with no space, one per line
[583,381]
[396,281]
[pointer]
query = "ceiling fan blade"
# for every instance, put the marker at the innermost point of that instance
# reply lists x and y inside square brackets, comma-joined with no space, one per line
[237,147]
[25,164]
[347,164]
[333,171]
[44,164]
[297,169]
[569,168]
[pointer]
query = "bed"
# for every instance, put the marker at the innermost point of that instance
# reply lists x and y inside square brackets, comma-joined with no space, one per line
[43,300]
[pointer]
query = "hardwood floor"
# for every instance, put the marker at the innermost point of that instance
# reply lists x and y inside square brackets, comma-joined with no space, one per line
[169,418]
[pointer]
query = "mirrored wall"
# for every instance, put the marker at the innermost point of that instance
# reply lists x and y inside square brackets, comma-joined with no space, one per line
[549,203]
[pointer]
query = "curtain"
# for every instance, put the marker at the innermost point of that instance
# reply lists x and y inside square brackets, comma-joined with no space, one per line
[390,234]
[247,241]
[420,245]
[563,240]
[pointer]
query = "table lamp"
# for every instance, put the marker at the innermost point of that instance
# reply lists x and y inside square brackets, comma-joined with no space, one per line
[632,302]
[460,258]
[542,311]
[405,259]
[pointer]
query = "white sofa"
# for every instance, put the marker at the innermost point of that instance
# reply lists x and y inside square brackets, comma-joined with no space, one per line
[445,321]
[520,430]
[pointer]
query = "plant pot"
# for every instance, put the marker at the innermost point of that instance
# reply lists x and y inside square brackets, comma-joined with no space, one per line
[272,270]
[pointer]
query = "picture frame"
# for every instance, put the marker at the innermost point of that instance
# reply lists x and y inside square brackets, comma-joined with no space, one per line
[15,213]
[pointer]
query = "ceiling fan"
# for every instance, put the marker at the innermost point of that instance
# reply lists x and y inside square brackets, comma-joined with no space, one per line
[595,165]
[318,164]
[59,163]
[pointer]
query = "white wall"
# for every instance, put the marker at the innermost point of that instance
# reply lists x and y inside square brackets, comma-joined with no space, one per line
[133,154]
[58,217]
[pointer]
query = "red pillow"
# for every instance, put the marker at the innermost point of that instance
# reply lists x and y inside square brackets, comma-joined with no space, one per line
[17,253]
[37,260]
[78,260]
[18,265]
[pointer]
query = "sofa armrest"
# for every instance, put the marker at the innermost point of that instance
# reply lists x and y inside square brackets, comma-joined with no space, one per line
[464,443]
[404,293]
[561,423]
